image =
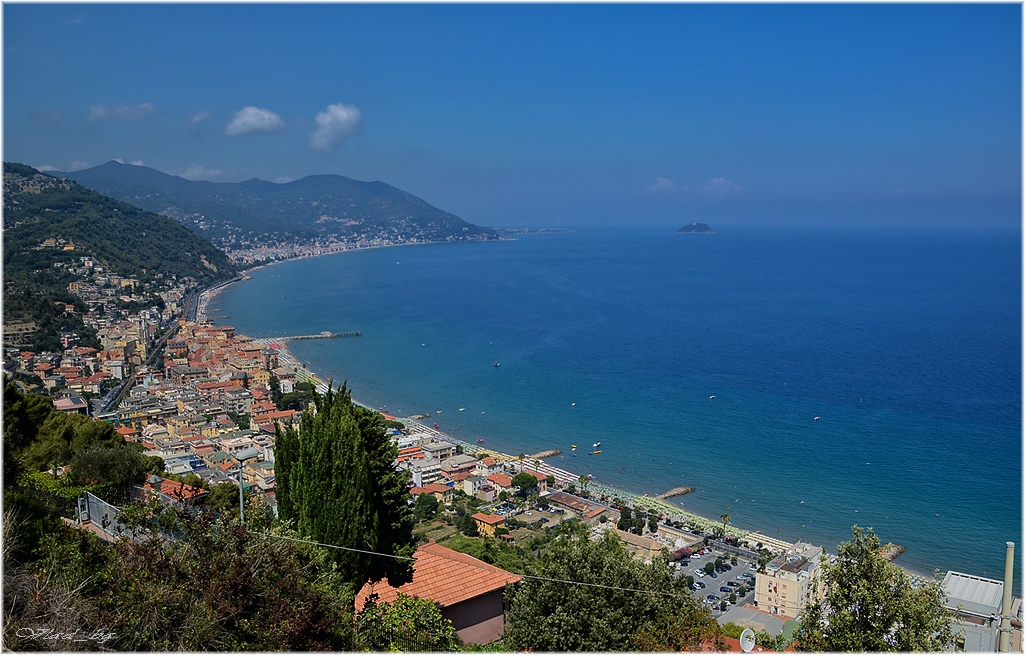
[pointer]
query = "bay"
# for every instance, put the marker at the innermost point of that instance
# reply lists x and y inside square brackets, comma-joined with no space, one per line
[906,345]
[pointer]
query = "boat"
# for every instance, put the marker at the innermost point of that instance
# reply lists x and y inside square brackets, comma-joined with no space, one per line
[480,440]
[573,446]
[462,409]
[595,444]
[597,452]
[497,364]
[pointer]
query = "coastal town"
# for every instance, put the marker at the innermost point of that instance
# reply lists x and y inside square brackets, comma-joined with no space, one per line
[203,401]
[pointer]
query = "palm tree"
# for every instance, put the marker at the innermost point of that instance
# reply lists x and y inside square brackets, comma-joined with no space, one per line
[584,481]
[725,518]
[521,457]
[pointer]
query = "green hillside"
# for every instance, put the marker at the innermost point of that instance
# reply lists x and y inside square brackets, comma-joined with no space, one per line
[313,208]
[51,223]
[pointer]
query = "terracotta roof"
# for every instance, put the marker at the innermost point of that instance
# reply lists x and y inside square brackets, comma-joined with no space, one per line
[500,479]
[124,431]
[444,576]
[490,519]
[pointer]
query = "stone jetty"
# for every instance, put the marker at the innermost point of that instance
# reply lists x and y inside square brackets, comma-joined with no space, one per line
[675,491]
[546,453]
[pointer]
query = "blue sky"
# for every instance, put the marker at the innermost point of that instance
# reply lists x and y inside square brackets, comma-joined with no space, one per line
[516,115]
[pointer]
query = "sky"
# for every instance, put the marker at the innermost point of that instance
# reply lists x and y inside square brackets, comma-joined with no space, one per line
[540,115]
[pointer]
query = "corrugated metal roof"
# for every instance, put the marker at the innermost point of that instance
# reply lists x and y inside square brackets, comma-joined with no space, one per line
[975,594]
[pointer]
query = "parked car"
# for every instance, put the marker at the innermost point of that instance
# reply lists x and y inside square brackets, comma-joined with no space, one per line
[699,584]
[713,574]
[713,597]
[731,583]
[725,589]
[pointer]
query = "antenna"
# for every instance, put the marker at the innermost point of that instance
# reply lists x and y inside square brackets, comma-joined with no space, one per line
[747,640]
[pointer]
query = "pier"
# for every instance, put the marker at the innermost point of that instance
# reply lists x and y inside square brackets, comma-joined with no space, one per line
[675,491]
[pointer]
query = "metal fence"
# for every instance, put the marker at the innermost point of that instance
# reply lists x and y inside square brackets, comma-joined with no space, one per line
[100,513]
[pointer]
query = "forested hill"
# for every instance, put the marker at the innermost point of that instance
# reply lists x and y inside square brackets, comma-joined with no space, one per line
[129,241]
[319,207]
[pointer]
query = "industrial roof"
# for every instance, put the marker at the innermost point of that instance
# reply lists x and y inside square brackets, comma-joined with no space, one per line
[974,594]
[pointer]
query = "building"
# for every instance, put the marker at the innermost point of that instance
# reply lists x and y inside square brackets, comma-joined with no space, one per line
[487,523]
[642,547]
[439,450]
[789,580]
[976,601]
[470,593]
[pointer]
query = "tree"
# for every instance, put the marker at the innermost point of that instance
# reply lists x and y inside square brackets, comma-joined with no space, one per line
[620,604]
[120,465]
[524,481]
[336,481]
[425,507]
[584,481]
[725,518]
[406,624]
[871,605]
[709,567]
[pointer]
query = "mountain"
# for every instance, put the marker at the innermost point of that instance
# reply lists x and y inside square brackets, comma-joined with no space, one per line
[131,242]
[312,209]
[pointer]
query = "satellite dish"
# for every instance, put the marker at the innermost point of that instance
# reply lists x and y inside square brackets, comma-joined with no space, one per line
[747,640]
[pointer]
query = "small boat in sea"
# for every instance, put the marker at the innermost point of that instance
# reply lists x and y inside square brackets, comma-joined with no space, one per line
[480,440]
[573,446]
[497,364]
[462,409]
[597,452]
[595,444]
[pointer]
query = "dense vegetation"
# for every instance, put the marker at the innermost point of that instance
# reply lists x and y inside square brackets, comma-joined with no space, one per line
[130,241]
[872,605]
[336,480]
[315,206]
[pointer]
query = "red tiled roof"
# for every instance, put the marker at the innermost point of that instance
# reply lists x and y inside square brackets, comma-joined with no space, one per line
[444,576]
[490,519]
[124,431]
[500,479]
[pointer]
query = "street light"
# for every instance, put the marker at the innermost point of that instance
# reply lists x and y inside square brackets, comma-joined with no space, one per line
[242,458]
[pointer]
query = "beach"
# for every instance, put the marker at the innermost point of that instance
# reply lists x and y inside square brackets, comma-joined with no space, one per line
[591,350]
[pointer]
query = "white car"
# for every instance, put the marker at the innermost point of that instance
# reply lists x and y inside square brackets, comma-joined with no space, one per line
[530,514]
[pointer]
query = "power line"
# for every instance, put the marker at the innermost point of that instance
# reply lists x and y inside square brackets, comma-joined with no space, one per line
[473,565]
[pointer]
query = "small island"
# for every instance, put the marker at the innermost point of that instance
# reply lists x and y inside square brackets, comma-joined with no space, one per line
[696,228]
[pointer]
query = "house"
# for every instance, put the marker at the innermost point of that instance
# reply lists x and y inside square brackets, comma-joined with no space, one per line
[71,404]
[976,603]
[487,523]
[441,491]
[502,482]
[487,466]
[642,547]
[171,491]
[470,593]
[587,510]
[542,480]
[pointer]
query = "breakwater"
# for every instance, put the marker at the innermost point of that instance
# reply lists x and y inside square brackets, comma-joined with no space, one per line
[546,453]
[675,491]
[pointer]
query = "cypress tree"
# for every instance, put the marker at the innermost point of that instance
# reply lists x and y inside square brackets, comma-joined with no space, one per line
[336,480]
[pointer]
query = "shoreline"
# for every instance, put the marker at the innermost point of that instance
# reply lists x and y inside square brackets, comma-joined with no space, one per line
[632,498]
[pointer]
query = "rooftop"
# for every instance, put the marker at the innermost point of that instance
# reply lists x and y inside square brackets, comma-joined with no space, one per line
[444,576]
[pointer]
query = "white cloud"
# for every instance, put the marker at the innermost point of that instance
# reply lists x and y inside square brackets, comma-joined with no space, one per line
[250,120]
[120,112]
[334,125]
[282,180]
[197,172]
[137,162]
[45,168]
[720,186]
[200,117]
[79,165]
[662,185]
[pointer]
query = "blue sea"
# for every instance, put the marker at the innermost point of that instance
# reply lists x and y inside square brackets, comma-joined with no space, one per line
[906,344]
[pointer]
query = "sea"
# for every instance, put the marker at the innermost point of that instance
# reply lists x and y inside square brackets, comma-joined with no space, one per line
[802,380]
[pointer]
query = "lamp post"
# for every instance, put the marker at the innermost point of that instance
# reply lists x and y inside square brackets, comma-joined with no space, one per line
[241,501]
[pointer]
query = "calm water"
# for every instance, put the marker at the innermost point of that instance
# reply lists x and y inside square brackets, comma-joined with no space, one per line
[907,345]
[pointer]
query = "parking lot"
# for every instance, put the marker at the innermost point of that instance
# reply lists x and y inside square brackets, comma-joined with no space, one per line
[706,587]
